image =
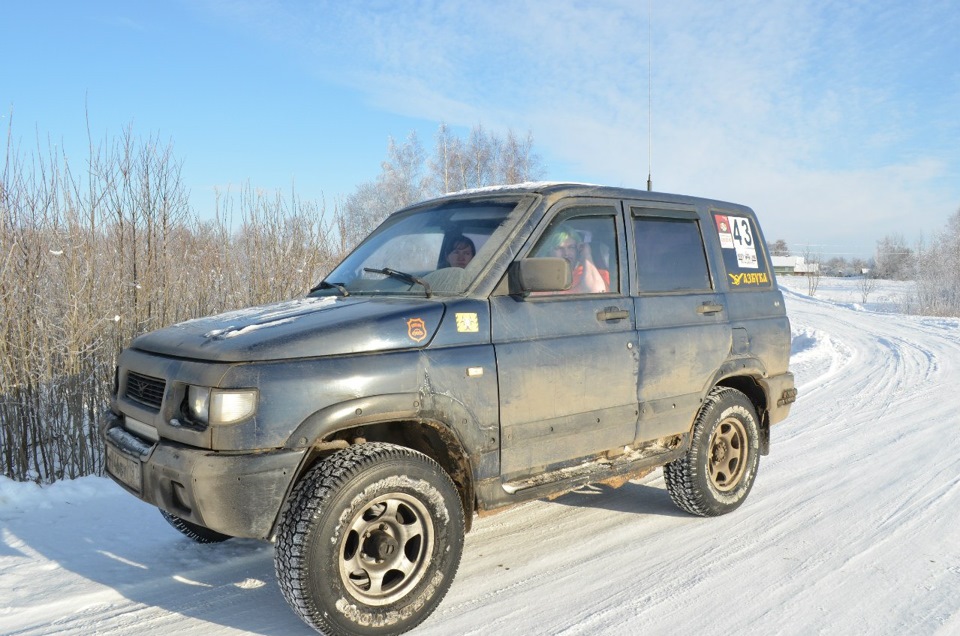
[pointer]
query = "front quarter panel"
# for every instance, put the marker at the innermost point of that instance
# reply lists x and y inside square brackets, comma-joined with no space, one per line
[452,383]
[291,391]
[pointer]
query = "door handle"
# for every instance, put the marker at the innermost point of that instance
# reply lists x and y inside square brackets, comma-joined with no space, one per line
[709,308]
[612,313]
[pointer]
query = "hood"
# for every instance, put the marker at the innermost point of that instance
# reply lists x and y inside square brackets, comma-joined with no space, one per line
[303,328]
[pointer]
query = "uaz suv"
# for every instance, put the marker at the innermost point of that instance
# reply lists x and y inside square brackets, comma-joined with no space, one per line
[475,351]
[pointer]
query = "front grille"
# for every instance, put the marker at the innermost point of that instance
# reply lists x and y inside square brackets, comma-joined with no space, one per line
[145,390]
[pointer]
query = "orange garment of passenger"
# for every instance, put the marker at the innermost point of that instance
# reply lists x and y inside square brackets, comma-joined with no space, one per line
[578,275]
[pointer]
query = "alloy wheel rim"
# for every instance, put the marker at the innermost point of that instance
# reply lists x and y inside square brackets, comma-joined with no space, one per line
[727,455]
[386,549]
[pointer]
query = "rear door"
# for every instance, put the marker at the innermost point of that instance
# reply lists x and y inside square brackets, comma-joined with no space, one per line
[682,319]
[566,361]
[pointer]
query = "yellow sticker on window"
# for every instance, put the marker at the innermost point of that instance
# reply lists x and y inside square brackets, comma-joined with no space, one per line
[749,278]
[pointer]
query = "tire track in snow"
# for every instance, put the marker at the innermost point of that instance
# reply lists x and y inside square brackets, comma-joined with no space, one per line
[887,508]
[872,366]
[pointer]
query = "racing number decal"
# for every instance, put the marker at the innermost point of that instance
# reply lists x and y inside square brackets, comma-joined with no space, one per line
[736,233]
[741,231]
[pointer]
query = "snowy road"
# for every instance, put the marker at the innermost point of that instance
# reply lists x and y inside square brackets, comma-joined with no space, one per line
[850,529]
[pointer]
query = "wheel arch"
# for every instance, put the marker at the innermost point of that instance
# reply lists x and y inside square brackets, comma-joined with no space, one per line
[749,386]
[394,419]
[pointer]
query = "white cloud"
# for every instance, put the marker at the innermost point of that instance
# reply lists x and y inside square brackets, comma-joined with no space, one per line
[827,116]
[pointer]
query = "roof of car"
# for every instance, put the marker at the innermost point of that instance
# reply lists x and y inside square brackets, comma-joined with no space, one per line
[548,188]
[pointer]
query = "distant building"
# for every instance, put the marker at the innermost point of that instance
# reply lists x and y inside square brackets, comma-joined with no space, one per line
[794,265]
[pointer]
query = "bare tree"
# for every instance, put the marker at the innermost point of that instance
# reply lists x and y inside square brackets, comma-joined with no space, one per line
[813,273]
[90,259]
[860,266]
[518,161]
[895,260]
[402,181]
[778,248]
[866,284]
[446,156]
[938,272]
[484,159]
[836,266]
[408,175]
[484,156]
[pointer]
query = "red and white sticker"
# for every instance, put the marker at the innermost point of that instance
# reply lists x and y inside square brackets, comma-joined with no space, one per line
[723,231]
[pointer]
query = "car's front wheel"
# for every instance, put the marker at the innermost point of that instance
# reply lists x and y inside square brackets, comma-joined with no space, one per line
[718,470]
[371,541]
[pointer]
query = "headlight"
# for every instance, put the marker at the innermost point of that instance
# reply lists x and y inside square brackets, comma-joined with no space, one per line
[229,407]
[198,403]
[220,406]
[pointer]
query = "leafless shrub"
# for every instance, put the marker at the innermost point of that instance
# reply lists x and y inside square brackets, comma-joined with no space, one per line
[813,269]
[90,260]
[779,248]
[938,272]
[894,260]
[866,284]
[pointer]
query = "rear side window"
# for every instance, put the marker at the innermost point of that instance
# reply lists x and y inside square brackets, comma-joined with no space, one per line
[670,255]
[743,257]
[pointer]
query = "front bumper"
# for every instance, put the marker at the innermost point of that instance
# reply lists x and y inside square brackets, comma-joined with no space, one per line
[237,494]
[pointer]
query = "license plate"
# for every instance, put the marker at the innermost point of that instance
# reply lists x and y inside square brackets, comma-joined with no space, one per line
[125,469]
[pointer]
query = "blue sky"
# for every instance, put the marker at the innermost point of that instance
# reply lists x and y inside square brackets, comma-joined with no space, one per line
[839,122]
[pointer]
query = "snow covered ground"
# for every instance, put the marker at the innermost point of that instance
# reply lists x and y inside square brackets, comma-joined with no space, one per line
[850,529]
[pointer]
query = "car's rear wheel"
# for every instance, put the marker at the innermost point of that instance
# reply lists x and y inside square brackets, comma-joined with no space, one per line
[719,469]
[371,541]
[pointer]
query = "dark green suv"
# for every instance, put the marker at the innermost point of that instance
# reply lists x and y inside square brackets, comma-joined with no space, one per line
[474,352]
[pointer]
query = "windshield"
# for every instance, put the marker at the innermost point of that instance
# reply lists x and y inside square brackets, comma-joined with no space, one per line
[434,250]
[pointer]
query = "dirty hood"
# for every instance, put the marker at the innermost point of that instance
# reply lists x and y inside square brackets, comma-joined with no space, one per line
[302,328]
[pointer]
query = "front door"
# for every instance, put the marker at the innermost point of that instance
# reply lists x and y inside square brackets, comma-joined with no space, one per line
[566,362]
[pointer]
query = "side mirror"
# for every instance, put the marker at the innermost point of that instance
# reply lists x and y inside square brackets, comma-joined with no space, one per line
[546,274]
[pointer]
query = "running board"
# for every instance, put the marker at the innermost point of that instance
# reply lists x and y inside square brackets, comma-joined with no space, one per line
[632,464]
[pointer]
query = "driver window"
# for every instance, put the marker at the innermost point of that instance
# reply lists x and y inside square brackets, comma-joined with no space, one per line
[589,245]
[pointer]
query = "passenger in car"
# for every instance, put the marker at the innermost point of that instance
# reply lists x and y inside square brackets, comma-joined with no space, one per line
[567,243]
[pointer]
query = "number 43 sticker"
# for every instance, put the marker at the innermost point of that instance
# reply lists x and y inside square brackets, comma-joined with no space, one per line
[736,233]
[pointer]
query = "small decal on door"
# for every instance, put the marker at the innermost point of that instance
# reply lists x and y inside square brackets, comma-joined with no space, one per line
[416,329]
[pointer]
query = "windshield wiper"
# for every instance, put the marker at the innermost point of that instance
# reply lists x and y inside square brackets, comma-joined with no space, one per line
[408,278]
[325,285]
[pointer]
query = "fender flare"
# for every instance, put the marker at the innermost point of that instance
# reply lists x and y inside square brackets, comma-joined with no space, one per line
[474,447]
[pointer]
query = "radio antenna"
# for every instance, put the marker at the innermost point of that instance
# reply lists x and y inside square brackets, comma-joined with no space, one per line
[649,97]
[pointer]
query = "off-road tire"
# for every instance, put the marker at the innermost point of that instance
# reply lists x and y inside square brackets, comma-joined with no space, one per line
[370,541]
[718,470]
[198,533]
